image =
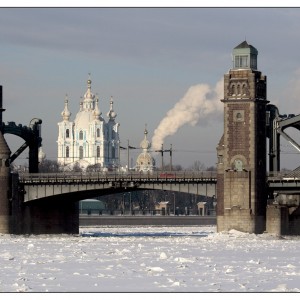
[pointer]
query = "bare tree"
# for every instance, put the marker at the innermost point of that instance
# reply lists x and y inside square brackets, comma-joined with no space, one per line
[94,168]
[197,166]
[49,166]
[211,168]
[168,168]
[76,167]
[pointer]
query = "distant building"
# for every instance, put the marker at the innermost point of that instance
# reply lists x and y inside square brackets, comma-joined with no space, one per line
[145,162]
[163,208]
[89,139]
[91,206]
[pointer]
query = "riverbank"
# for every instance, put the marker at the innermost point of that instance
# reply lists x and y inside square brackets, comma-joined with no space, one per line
[94,220]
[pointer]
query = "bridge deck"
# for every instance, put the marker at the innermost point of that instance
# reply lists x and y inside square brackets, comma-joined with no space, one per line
[82,185]
[286,181]
[80,177]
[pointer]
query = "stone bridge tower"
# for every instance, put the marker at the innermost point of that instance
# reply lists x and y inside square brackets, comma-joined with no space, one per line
[4,186]
[241,187]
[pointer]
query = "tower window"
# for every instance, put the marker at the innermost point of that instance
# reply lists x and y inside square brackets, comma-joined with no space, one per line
[253,62]
[98,132]
[233,90]
[81,135]
[98,151]
[67,151]
[80,152]
[244,89]
[241,61]
[67,133]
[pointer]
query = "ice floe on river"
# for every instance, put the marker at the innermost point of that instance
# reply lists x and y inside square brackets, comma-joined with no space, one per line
[150,259]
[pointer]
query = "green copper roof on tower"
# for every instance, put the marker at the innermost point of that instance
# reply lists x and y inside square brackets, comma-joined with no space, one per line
[245,56]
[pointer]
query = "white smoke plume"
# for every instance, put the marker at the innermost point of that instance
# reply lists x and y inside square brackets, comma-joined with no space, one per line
[198,104]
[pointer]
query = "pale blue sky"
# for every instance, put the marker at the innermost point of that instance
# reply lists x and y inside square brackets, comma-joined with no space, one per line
[146,58]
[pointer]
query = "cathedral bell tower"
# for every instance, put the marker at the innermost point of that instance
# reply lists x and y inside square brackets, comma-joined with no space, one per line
[241,187]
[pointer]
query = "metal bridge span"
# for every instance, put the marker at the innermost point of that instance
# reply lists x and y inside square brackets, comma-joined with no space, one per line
[84,185]
[77,186]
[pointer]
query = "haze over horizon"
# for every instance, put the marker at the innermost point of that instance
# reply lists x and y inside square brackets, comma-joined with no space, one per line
[153,61]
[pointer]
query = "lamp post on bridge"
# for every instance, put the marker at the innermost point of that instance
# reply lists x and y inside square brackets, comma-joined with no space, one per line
[129,202]
[123,204]
[174,203]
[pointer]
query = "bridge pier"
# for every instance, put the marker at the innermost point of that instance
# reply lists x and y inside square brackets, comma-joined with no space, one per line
[49,216]
[277,219]
[282,220]
[46,218]
[240,219]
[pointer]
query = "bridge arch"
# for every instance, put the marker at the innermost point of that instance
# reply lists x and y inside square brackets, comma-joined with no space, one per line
[47,203]
[81,186]
[32,137]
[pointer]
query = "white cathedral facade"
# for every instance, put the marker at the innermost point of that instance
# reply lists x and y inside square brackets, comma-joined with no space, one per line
[89,139]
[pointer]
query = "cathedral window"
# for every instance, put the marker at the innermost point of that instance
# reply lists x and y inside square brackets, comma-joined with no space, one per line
[80,152]
[113,150]
[81,135]
[98,151]
[98,132]
[67,133]
[67,151]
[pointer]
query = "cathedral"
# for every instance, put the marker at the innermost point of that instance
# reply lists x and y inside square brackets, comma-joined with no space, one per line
[89,139]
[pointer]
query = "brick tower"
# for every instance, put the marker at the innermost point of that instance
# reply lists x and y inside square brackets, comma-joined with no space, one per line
[4,186]
[241,187]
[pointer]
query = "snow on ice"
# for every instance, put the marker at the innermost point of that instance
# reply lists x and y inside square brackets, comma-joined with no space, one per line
[150,259]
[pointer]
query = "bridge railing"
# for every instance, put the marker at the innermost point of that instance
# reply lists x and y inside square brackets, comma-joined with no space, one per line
[280,175]
[115,176]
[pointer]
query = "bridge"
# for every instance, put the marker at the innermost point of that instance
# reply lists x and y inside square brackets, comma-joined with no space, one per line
[77,186]
[49,202]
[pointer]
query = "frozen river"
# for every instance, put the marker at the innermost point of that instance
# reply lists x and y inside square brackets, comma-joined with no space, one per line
[150,259]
